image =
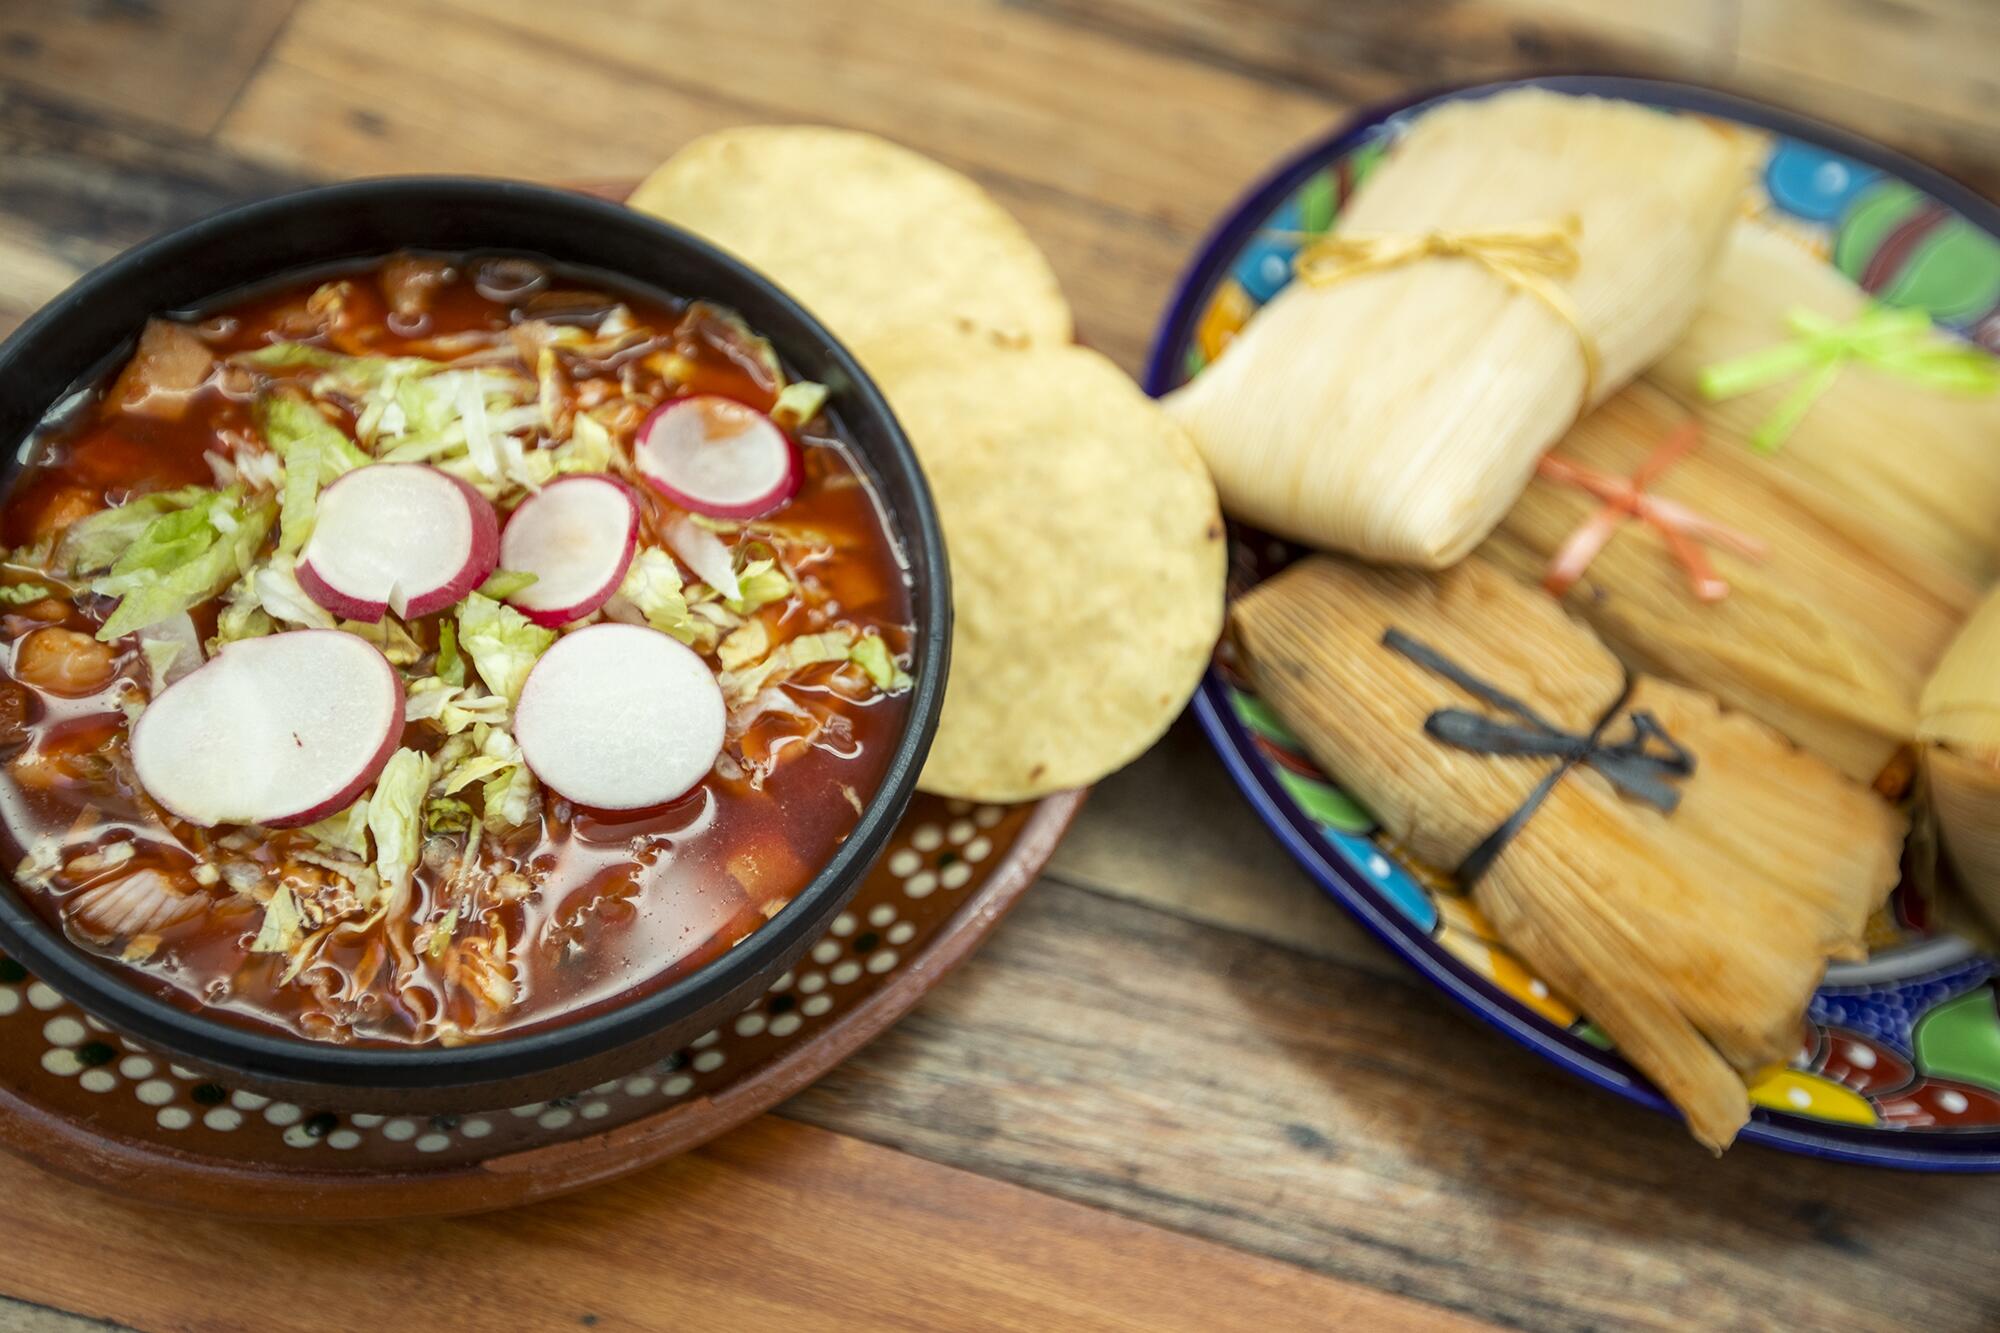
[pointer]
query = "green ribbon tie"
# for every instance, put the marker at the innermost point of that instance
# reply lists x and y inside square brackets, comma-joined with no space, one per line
[1897,342]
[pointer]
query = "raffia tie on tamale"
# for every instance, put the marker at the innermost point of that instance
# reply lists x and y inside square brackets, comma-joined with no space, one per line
[1820,635]
[1527,258]
[1693,938]
[1903,465]
[1393,401]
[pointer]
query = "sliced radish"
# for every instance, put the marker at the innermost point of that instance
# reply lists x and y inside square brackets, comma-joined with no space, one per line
[577,538]
[717,457]
[620,717]
[398,537]
[276,731]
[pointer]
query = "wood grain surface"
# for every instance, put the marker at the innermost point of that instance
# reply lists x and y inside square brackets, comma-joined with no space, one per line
[1175,1026]
[775,1226]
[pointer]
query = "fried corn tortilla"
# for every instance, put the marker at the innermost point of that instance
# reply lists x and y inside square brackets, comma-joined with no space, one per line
[876,240]
[1087,563]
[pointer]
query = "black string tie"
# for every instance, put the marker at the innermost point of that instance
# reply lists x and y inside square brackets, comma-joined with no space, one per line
[1644,766]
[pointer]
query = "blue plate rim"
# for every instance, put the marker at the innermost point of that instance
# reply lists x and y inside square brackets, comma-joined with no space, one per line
[1866,1145]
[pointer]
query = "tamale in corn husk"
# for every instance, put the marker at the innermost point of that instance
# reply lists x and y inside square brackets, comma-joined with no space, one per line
[1815,635]
[1959,723]
[1397,413]
[1693,938]
[1910,471]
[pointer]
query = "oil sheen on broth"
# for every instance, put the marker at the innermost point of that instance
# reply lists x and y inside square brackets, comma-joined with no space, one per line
[502,926]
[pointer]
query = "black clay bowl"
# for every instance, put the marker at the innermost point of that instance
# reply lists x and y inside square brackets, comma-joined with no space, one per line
[91,326]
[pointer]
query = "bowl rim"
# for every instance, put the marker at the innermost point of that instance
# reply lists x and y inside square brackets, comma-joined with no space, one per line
[1948,1151]
[96,984]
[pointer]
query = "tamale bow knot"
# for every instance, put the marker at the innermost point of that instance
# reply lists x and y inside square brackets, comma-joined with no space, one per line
[1629,497]
[1898,342]
[1643,766]
[1527,258]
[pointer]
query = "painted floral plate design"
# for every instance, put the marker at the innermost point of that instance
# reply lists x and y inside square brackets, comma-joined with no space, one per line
[1899,1057]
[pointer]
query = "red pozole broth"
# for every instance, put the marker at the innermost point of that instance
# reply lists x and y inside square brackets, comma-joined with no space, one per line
[521,908]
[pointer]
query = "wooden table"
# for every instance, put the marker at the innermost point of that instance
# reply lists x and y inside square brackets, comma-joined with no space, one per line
[1179,1088]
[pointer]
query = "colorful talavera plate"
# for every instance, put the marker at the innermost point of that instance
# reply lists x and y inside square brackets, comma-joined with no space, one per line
[1899,1057]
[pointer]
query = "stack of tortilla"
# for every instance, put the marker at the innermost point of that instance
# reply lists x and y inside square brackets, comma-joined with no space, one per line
[1084,536]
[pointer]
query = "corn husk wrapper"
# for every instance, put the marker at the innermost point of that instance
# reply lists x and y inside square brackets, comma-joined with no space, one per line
[1909,471]
[1694,939]
[1398,414]
[1819,638]
[1960,727]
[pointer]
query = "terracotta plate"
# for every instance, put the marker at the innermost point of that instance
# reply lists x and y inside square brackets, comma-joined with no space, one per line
[81,1101]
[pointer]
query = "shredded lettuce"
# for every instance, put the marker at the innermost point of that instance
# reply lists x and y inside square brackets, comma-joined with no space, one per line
[395,816]
[798,403]
[283,924]
[21,594]
[504,583]
[345,832]
[182,558]
[502,643]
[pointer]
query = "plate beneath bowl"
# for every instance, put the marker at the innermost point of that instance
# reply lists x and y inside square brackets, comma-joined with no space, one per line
[79,1100]
[1899,1057]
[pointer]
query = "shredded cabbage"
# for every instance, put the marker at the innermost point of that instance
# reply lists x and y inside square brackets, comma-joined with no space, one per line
[798,403]
[94,543]
[504,583]
[871,654]
[160,655]
[279,595]
[507,787]
[761,583]
[242,615]
[450,666]
[447,814]
[395,816]
[453,707]
[653,587]
[315,452]
[739,687]
[389,636]
[502,643]
[345,832]
[283,924]
[182,558]
[21,594]
[744,645]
